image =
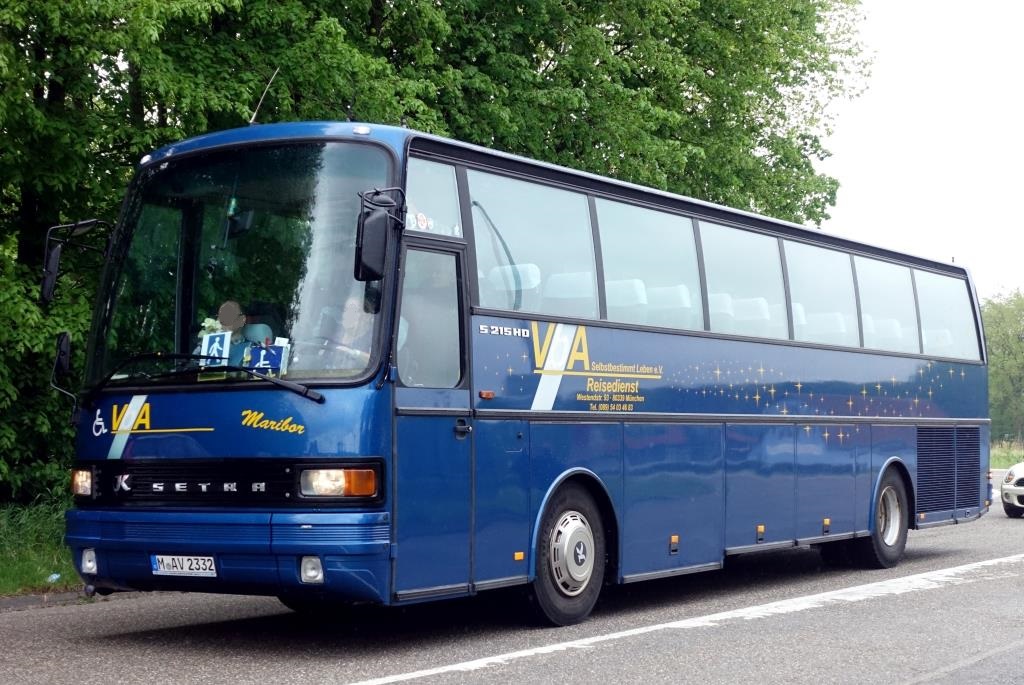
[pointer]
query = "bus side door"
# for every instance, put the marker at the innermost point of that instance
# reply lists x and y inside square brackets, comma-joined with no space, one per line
[433,427]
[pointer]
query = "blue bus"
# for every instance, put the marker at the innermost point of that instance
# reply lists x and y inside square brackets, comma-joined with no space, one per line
[339,363]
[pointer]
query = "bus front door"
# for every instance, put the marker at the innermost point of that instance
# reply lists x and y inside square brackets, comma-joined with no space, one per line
[433,436]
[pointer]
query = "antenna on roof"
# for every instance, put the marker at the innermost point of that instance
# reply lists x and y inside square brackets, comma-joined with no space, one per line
[258,104]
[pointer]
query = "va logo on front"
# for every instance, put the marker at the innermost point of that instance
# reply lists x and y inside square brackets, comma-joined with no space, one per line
[121,419]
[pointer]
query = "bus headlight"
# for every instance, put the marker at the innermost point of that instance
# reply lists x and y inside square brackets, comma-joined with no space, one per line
[81,482]
[361,482]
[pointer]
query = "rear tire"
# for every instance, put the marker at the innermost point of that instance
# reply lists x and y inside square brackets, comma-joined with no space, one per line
[1013,511]
[884,547]
[570,557]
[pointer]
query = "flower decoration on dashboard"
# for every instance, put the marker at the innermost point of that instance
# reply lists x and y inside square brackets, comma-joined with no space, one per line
[209,325]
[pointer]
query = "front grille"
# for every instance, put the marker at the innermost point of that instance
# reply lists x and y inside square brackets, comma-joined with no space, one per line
[192,483]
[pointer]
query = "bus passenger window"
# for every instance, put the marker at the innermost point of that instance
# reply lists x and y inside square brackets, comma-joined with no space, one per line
[650,266]
[947,318]
[824,301]
[887,306]
[744,275]
[534,247]
[432,199]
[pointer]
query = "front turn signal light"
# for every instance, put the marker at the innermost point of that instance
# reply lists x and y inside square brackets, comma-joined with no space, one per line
[338,483]
[81,482]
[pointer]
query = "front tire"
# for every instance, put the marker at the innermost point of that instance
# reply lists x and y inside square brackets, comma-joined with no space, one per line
[883,548]
[570,557]
[1013,511]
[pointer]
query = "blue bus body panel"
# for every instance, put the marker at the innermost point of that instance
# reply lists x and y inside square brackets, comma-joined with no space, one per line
[674,486]
[646,371]
[759,485]
[826,479]
[502,516]
[203,423]
[433,510]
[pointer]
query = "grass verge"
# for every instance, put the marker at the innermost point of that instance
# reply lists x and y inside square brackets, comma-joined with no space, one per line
[32,549]
[1003,455]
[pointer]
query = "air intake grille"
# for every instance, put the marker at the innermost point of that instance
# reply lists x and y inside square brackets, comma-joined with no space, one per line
[948,468]
[968,467]
[936,469]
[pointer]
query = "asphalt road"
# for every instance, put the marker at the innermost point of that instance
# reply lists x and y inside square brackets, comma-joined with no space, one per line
[942,616]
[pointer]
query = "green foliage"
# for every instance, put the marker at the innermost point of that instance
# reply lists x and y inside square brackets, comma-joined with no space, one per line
[1005,454]
[720,99]
[35,435]
[1003,317]
[32,549]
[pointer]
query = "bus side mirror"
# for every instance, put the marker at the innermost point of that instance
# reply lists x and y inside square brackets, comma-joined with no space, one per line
[50,271]
[62,362]
[374,225]
[56,238]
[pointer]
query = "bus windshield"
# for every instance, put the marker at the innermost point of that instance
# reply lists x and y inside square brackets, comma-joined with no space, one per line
[243,257]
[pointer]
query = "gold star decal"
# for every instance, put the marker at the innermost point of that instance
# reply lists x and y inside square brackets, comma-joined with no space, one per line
[772,392]
[842,436]
[826,435]
[799,386]
[784,411]
[878,387]
[863,391]
[849,403]
[807,430]
[757,399]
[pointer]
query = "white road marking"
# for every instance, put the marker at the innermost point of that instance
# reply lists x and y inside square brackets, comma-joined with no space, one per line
[896,586]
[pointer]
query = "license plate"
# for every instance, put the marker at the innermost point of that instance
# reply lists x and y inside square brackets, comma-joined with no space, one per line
[183,565]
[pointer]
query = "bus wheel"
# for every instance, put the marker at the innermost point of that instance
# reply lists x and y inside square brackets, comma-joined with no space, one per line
[884,547]
[1012,511]
[570,558]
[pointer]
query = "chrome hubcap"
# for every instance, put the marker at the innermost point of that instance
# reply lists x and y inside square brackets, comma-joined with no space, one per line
[571,553]
[889,516]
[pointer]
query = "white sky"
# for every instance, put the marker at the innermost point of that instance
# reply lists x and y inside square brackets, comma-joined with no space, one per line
[930,157]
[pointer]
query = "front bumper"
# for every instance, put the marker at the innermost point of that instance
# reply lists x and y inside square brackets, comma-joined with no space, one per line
[254,553]
[1012,494]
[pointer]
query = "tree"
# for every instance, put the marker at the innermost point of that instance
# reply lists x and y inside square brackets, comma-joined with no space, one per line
[1003,317]
[718,99]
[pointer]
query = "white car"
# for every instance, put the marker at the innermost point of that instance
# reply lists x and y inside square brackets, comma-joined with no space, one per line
[1012,491]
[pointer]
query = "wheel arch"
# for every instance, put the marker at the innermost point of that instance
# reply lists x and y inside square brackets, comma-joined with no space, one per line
[900,468]
[596,488]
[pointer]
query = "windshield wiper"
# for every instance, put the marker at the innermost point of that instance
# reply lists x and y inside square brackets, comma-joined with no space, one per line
[297,388]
